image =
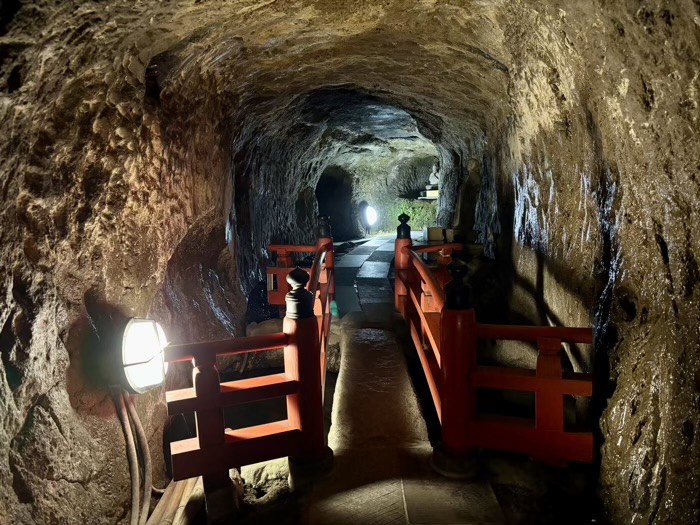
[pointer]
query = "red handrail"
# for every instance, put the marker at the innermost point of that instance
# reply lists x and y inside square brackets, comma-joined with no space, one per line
[292,248]
[533,333]
[315,272]
[322,249]
[431,248]
[238,345]
[446,343]
[428,278]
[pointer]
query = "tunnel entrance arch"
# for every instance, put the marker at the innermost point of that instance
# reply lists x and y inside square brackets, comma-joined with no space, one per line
[334,193]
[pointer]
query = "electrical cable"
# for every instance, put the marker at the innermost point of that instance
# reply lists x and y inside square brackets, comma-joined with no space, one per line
[146,455]
[120,405]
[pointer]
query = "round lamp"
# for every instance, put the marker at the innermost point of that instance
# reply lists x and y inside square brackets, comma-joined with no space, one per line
[142,355]
[371,215]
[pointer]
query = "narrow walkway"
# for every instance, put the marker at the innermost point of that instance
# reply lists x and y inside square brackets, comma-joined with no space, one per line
[381,473]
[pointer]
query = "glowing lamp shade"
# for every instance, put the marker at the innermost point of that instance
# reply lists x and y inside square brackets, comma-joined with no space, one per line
[142,354]
[371,215]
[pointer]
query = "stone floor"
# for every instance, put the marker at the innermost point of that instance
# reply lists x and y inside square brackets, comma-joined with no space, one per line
[381,471]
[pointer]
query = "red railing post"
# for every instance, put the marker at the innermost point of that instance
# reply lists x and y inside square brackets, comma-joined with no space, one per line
[445,256]
[454,456]
[220,501]
[284,260]
[549,407]
[458,353]
[401,259]
[301,362]
[427,304]
[324,236]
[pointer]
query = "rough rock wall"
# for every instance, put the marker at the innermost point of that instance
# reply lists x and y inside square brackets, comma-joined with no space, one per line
[95,198]
[598,176]
[585,113]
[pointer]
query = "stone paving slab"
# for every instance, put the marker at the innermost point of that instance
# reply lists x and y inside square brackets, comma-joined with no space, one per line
[374,404]
[351,261]
[378,241]
[396,486]
[364,487]
[374,270]
[347,300]
[371,415]
[432,499]
[375,294]
[386,257]
[380,313]
[345,276]
[363,249]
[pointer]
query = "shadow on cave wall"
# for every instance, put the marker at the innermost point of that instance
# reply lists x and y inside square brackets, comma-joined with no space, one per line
[598,292]
[8,10]
[93,347]
[200,298]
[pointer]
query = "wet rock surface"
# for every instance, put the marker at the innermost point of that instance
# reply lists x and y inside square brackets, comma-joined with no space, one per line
[139,140]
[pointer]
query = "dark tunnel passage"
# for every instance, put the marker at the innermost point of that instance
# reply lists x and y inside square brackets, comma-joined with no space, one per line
[334,193]
[385,148]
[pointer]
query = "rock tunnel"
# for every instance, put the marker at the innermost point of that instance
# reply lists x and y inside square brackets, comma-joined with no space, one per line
[382,159]
[150,152]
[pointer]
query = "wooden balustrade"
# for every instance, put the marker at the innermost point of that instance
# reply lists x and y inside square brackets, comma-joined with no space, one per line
[304,338]
[277,286]
[215,449]
[321,285]
[446,340]
[435,248]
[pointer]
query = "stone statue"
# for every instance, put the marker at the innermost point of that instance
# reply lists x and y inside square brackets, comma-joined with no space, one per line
[434,178]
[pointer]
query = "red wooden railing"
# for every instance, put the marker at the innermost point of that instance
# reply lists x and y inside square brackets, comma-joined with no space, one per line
[323,265]
[446,341]
[304,337]
[321,284]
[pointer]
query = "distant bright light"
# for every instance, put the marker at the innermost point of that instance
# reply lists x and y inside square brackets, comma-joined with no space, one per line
[142,354]
[371,215]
